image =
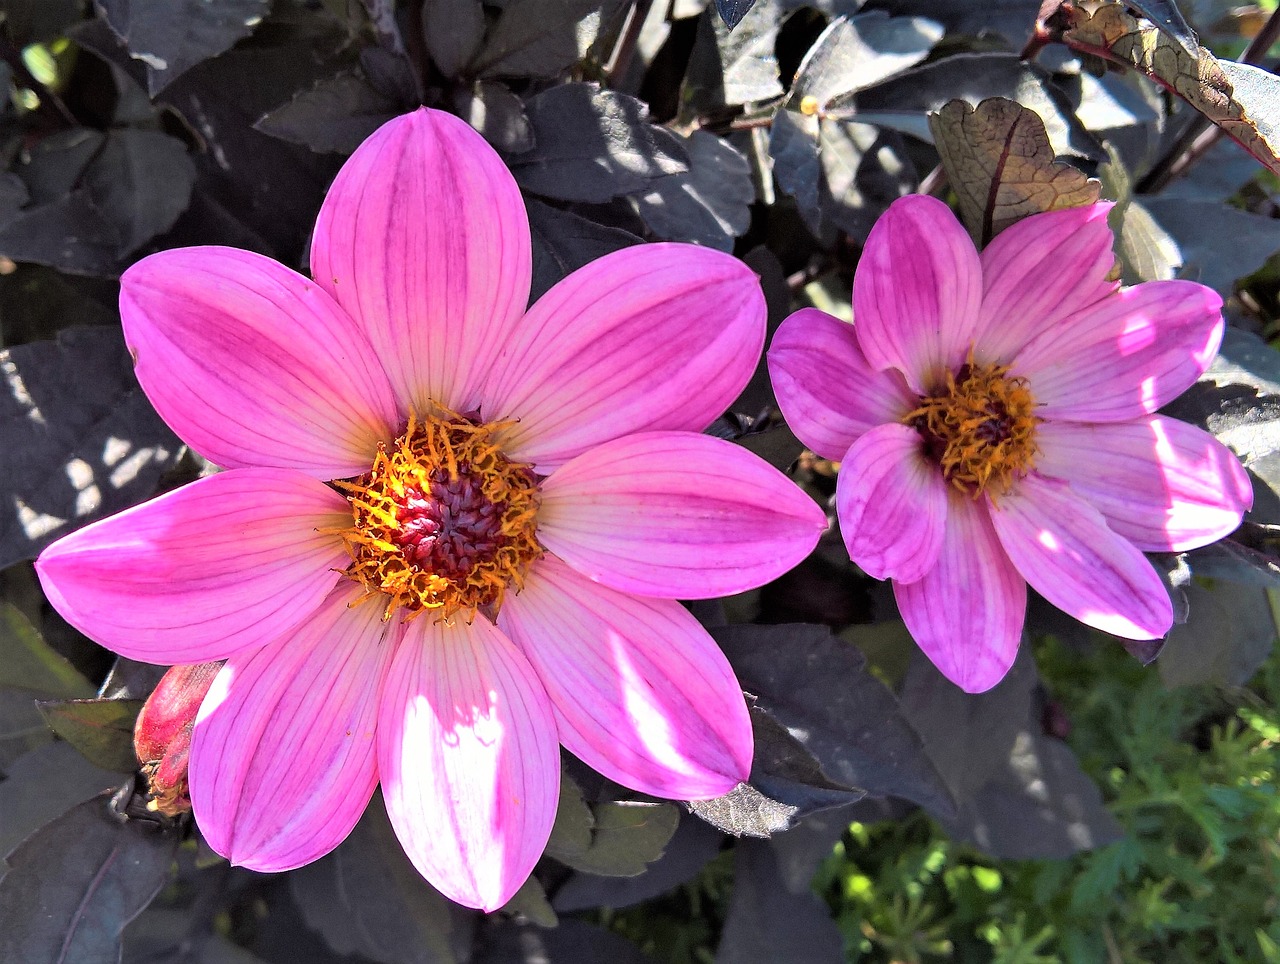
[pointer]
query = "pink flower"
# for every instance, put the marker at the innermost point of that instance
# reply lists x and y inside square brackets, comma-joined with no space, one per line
[522,496]
[994,414]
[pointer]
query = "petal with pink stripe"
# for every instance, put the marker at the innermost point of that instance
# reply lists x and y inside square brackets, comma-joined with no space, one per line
[916,292]
[424,239]
[641,692]
[677,515]
[468,757]
[254,365]
[1063,547]
[1126,355]
[827,391]
[1038,271]
[967,612]
[657,336]
[282,754]
[1164,485]
[891,500]
[227,563]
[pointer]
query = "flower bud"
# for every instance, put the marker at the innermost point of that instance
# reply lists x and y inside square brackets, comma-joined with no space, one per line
[162,734]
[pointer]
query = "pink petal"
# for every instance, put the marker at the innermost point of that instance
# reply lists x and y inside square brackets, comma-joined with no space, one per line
[916,292]
[1062,546]
[641,692]
[677,515]
[827,391]
[966,613]
[469,761]
[254,365]
[1164,485]
[229,562]
[658,336]
[282,754]
[891,500]
[1126,355]
[1040,270]
[424,239]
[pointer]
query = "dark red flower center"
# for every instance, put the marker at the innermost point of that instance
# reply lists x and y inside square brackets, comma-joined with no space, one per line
[444,520]
[980,428]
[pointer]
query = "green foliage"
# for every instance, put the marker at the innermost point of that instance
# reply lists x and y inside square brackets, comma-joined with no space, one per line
[1190,773]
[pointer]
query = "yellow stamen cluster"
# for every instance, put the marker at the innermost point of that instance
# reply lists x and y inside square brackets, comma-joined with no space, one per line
[444,521]
[981,428]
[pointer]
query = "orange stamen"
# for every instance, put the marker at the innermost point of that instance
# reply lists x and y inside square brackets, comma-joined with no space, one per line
[443,521]
[980,428]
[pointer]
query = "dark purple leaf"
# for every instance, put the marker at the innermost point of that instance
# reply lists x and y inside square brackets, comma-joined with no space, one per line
[1039,804]
[708,204]
[572,942]
[498,114]
[76,883]
[735,66]
[819,688]
[904,101]
[769,923]
[172,36]
[47,780]
[732,11]
[540,38]
[691,847]
[84,453]
[592,144]
[366,898]
[1228,635]
[453,31]
[968,736]
[564,242]
[334,115]
[141,183]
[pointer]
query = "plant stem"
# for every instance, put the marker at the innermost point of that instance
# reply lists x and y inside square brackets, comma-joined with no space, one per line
[620,62]
[935,182]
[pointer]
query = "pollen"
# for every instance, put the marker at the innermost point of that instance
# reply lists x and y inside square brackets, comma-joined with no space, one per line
[443,521]
[980,429]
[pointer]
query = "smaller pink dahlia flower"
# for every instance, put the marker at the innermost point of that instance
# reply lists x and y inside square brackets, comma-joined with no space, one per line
[994,416]
[451,532]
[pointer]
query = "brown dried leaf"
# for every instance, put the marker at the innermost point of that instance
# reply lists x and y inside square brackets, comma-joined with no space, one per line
[1114,34]
[999,162]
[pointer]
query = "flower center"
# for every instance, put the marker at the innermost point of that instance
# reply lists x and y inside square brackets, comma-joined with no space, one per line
[444,520]
[980,429]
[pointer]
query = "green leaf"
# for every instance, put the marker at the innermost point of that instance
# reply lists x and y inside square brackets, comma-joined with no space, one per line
[571,833]
[28,662]
[531,901]
[626,837]
[102,730]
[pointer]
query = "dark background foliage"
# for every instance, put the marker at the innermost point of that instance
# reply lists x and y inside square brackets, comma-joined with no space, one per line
[775,129]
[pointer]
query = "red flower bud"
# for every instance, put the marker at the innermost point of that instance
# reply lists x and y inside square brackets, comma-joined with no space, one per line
[162,734]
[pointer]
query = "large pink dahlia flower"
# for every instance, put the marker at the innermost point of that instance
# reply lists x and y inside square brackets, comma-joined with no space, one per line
[520,498]
[994,416]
